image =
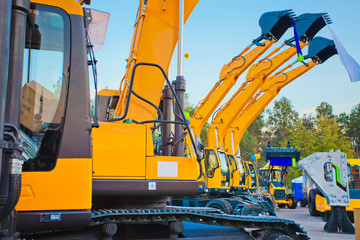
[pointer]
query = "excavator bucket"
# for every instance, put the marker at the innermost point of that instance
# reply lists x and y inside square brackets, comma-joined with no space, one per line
[274,24]
[309,24]
[321,49]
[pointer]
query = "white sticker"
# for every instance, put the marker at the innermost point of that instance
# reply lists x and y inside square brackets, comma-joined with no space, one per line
[55,217]
[152,185]
[167,169]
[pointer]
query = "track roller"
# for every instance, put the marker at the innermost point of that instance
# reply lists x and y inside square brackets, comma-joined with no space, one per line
[276,235]
[109,229]
[221,204]
[176,227]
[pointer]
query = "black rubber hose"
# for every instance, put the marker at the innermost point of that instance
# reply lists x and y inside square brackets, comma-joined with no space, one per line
[14,195]
[14,178]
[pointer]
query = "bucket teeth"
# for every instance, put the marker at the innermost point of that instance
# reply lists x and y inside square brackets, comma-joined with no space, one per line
[291,14]
[309,24]
[327,18]
[274,24]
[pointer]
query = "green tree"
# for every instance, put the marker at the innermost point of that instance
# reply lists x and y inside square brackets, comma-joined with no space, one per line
[248,145]
[325,110]
[280,120]
[326,135]
[354,128]
[189,108]
[329,136]
[343,120]
[251,142]
[302,138]
[308,121]
[203,134]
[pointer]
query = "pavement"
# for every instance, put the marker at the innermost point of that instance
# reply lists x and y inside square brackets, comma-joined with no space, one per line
[313,225]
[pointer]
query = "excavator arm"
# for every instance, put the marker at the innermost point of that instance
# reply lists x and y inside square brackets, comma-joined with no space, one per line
[273,25]
[228,77]
[274,85]
[256,76]
[320,50]
[156,27]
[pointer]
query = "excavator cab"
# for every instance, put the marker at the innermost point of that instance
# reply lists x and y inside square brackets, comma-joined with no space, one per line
[235,170]
[217,170]
[242,171]
[253,183]
[55,120]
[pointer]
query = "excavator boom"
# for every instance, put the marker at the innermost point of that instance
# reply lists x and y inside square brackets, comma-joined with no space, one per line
[156,27]
[320,49]
[273,26]
[255,78]
[227,80]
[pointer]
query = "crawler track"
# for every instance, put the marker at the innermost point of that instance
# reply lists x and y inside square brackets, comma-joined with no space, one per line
[198,215]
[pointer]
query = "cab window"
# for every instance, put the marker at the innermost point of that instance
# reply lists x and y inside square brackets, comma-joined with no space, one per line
[44,85]
[211,162]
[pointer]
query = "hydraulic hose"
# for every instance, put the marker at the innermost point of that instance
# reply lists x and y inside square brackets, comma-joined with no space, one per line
[14,194]
[14,175]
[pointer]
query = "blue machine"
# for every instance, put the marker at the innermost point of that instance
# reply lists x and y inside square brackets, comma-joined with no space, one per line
[296,187]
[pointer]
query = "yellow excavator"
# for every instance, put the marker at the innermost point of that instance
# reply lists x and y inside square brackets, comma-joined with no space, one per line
[273,26]
[215,155]
[308,26]
[78,173]
[222,171]
[320,50]
[217,182]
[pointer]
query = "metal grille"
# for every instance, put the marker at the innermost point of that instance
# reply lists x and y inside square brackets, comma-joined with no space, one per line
[279,194]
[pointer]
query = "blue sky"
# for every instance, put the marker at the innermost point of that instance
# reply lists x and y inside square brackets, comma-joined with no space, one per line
[218,30]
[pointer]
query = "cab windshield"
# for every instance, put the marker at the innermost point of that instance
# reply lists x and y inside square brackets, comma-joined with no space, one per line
[223,162]
[354,177]
[241,170]
[232,162]
[252,174]
[44,85]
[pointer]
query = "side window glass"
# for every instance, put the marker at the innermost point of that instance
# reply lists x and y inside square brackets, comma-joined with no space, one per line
[44,85]
[211,162]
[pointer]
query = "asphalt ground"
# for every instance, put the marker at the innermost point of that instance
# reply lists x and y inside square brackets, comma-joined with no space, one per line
[313,225]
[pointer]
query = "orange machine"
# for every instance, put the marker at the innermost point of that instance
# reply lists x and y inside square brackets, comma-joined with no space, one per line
[76,174]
